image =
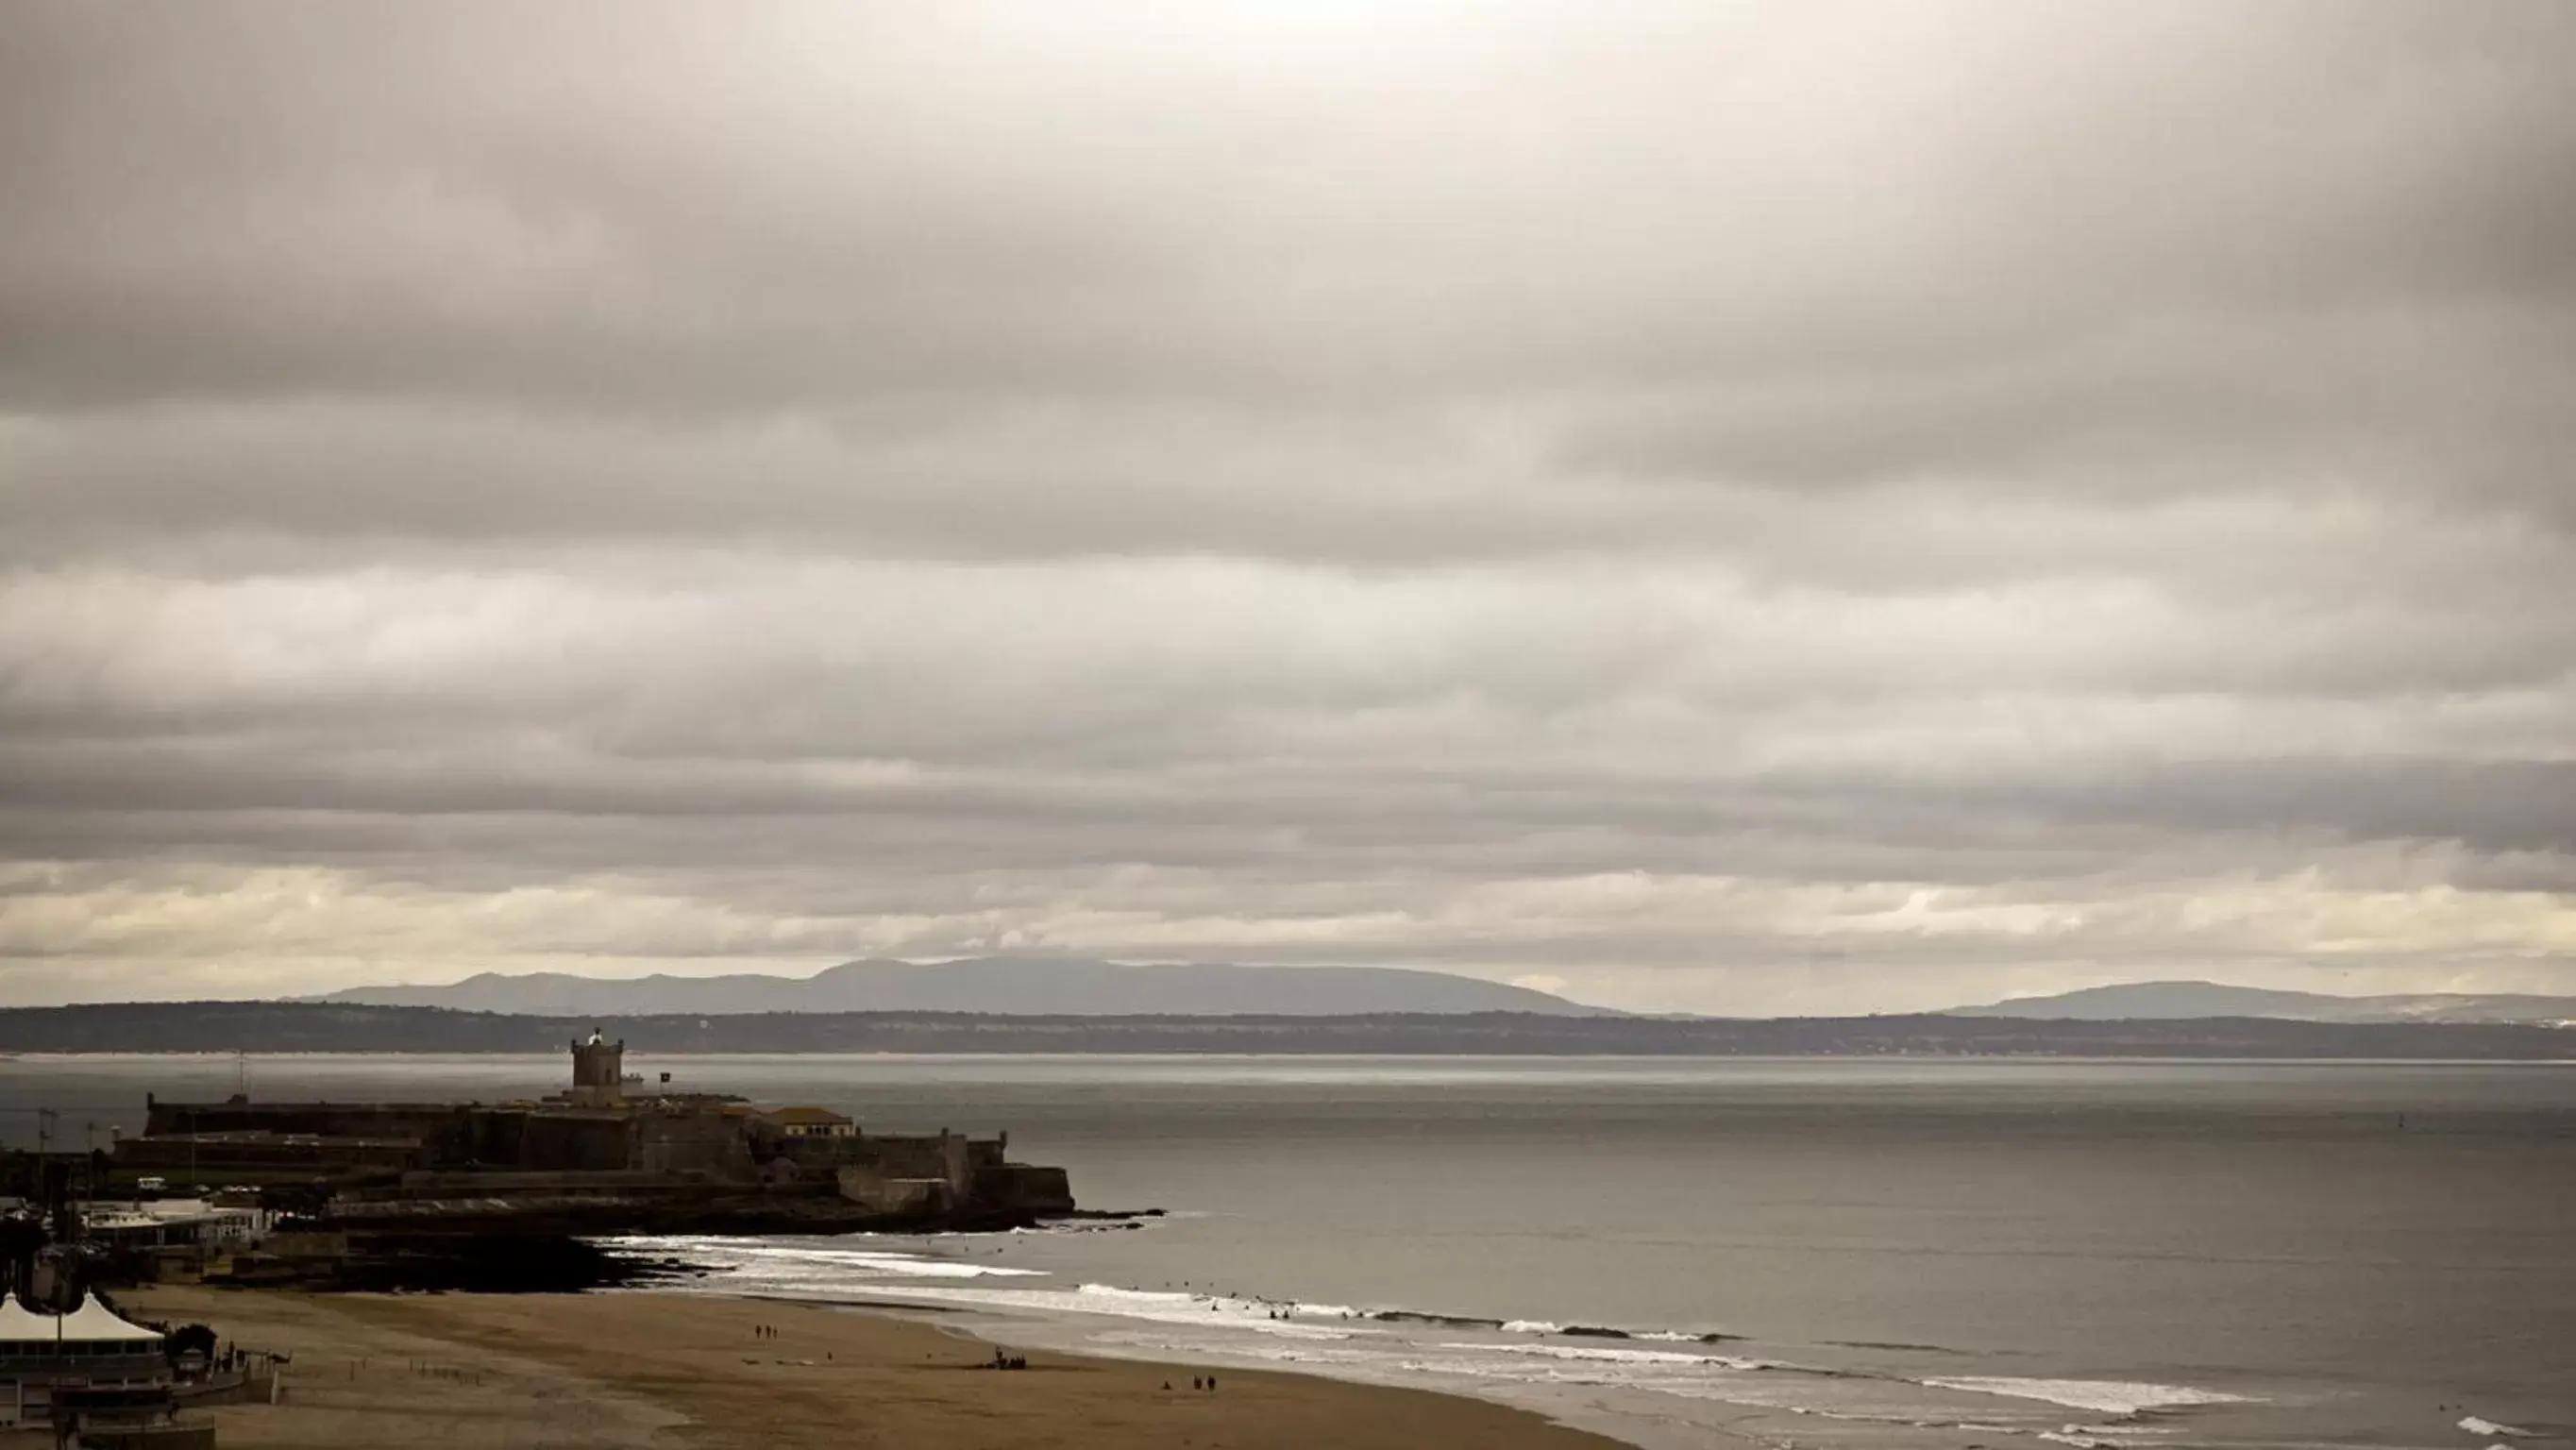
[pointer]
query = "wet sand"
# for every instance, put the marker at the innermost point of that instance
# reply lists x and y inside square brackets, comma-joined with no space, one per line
[568,1372]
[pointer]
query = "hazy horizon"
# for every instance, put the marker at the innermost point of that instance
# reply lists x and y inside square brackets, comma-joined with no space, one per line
[799,973]
[1741,510]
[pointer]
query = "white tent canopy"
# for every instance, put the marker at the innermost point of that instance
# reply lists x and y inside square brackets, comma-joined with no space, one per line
[92,1323]
[18,1323]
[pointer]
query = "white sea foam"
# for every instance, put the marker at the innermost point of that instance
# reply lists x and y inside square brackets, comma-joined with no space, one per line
[1526,1357]
[769,1257]
[1103,1299]
[2476,1426]
[1616,1381]
[901,1265]
[2109,1397]
[1224,1304]
[1585,1352]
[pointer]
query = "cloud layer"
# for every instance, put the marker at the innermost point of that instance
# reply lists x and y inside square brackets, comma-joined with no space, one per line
[1735,509]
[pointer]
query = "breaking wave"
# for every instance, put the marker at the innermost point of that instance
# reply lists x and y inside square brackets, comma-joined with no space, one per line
[2108,1397]
[1583,1352]
[757,1257]
[1508,1358]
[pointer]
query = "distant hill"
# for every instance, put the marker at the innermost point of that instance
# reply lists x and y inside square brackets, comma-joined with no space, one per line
[1017,986]
[341,1027]
[2153,1001]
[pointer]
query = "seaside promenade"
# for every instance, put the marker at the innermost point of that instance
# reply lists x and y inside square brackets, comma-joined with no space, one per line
[573,1372]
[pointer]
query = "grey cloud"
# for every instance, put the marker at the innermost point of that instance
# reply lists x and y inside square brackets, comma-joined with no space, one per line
[469,208]
[1773,505]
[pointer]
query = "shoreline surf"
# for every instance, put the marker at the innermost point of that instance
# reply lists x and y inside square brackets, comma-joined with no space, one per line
[1644,1386]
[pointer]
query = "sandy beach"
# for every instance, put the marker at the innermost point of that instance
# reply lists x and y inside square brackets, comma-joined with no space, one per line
[568,1371]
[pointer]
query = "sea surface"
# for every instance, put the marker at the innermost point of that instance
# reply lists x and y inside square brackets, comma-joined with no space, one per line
[1881,1252]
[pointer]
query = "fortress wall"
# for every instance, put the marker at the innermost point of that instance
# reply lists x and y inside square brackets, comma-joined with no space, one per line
[596,1134]
[576,1142]
[444,1130]
[480,1181]
[1025,1188]
[941,1156]
[692,1143]
[885,1193]
[213,1157]
[928,1155]
[499,1135]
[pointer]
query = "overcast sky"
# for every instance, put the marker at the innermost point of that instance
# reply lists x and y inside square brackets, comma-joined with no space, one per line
[1800,507]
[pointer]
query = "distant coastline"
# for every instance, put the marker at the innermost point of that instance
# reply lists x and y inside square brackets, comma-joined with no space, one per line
[289,1027]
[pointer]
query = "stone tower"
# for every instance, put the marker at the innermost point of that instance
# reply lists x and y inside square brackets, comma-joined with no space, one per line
[598,1071]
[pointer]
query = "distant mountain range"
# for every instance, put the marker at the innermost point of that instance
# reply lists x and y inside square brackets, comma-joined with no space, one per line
[1019,986]
[2164,1001]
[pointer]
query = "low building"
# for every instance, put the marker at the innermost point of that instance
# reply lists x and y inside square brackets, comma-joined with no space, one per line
[809,1122]
[172,1223]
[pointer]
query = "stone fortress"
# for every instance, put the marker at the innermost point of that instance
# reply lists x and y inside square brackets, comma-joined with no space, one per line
[608,1155]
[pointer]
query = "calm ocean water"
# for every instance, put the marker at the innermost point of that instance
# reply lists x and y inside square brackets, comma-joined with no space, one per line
[1898,1253]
